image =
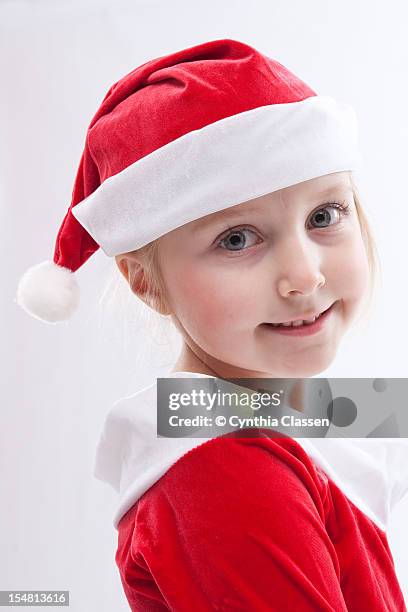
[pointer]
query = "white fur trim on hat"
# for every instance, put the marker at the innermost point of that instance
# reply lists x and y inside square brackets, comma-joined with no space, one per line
[48,292]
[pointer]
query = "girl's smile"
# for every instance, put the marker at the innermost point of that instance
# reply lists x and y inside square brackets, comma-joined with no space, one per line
[304,329]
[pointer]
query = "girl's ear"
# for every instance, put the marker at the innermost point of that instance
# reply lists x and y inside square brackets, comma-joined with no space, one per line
[133,272]
[122,265]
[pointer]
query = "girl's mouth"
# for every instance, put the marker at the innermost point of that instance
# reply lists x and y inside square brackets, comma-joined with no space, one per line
[306,329]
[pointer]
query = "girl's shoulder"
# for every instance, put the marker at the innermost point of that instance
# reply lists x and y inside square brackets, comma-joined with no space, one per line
[251,521]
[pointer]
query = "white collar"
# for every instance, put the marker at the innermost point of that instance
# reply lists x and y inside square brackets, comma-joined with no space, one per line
[371,472]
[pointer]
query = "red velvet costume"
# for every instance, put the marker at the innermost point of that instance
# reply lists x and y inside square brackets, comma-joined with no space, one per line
[233,523]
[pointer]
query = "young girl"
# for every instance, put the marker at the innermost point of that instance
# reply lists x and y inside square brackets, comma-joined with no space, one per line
[222,184]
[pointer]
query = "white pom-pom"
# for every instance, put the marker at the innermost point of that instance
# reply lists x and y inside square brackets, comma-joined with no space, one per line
[48,292]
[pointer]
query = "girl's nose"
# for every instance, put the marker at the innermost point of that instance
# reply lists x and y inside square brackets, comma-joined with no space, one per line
[299,269]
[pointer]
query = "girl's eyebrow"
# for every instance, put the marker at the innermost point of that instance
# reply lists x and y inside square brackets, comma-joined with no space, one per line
[221,218]
[236,215]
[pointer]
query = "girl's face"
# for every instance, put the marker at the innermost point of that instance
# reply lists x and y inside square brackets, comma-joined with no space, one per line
[269,260]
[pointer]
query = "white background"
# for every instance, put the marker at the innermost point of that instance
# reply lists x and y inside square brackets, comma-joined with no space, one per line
[58,59]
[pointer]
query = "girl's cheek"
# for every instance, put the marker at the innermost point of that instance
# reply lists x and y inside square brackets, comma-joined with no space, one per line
[194,296]
[355,270]
[210,300]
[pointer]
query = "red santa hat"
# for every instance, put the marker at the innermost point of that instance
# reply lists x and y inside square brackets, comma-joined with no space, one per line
[180,137]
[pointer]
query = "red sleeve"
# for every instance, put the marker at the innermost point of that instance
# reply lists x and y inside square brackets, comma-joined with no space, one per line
[235,524]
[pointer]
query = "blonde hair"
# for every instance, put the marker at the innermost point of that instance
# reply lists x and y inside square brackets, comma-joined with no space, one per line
[155,297]
[373,259]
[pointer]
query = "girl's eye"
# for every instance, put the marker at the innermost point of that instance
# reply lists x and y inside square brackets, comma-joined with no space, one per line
[236,238]
[322,216]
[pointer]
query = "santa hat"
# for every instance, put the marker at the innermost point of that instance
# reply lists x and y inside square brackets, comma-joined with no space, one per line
[180,137]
